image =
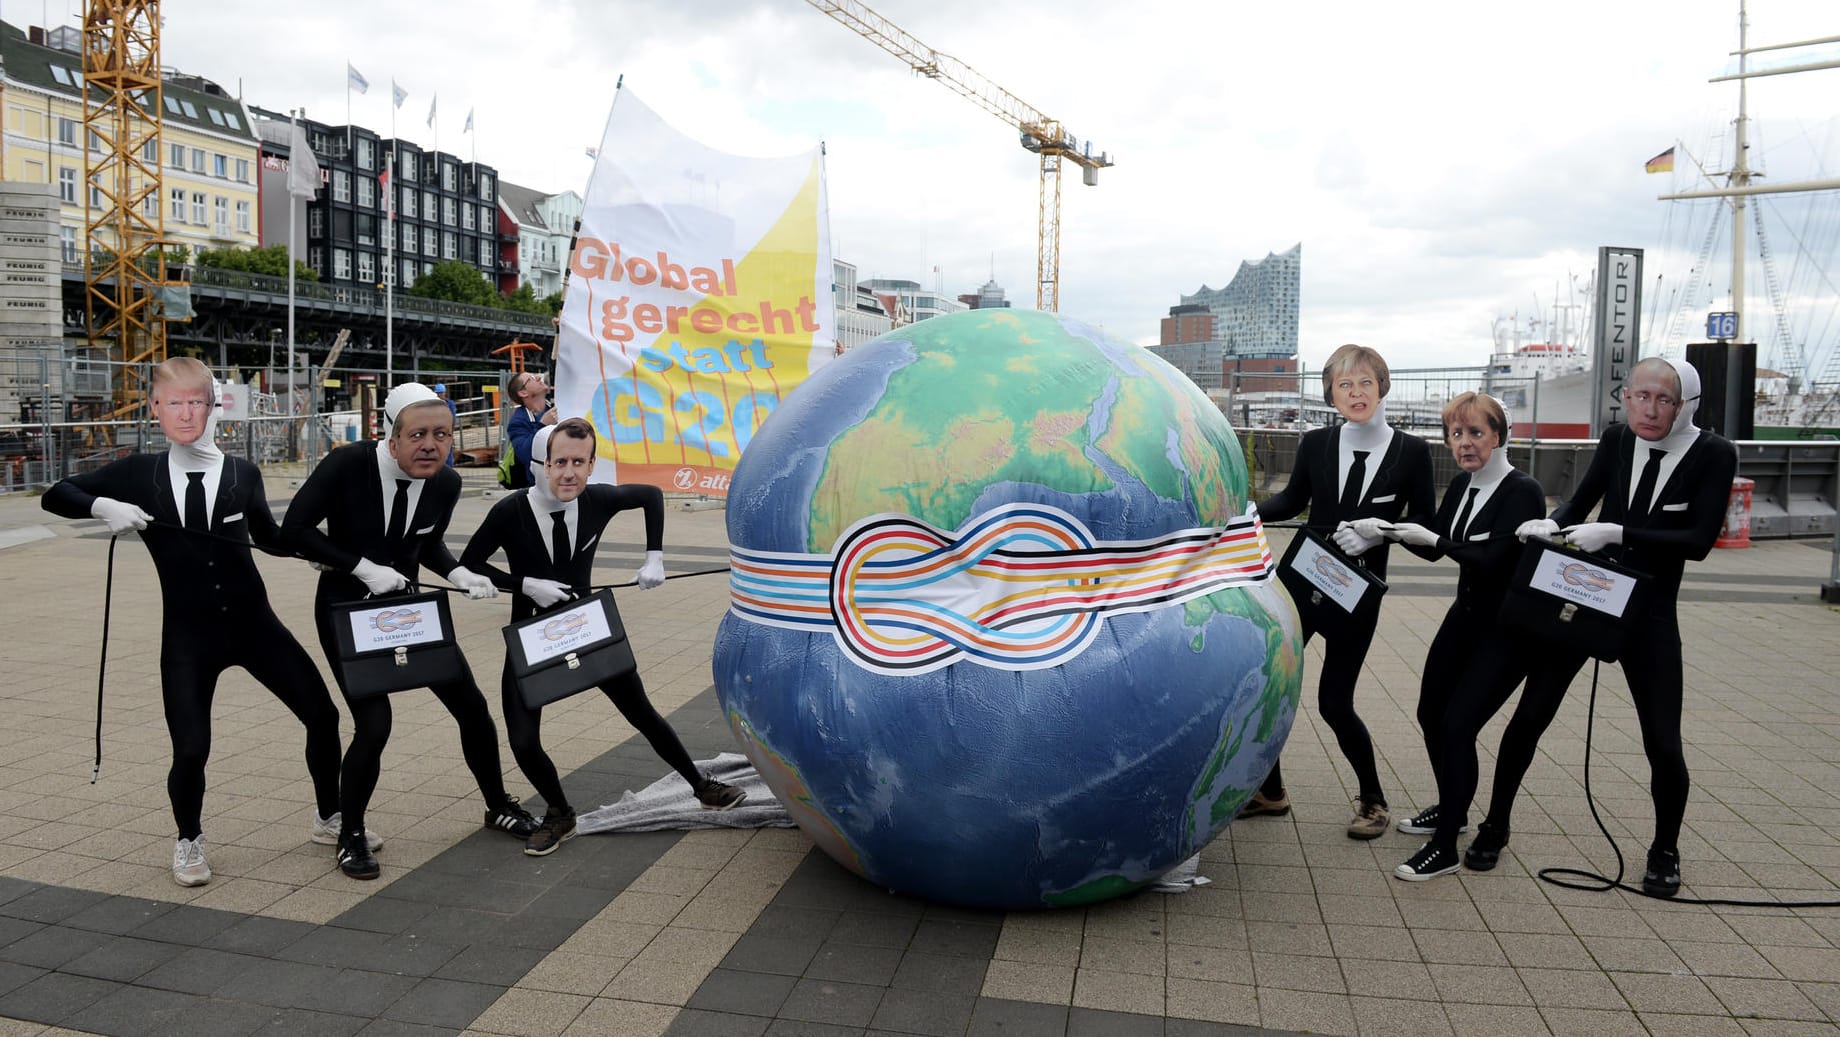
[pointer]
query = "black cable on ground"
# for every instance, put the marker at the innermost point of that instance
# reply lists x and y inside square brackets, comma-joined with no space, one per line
[102,666]
[1602,883]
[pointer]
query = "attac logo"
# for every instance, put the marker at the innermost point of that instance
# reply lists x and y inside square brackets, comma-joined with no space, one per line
[1579,574]
[389,621]
[1331,569]
[684,479]
[562,626]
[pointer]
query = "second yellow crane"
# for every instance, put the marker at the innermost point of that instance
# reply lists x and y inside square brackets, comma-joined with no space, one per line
[1043,135]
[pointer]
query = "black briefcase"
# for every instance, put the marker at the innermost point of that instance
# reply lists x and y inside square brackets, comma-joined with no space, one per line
[395,644]
[1573,600]
[573,647]
[1333,594]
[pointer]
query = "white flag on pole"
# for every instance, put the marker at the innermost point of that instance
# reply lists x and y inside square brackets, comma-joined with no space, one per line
[355,80]
[401,94]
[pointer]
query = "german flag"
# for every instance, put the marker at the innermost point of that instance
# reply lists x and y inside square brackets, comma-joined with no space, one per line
[1662,163]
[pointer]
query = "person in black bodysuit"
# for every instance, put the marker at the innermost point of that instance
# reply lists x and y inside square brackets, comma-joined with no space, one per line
[1354,478]
[1473,665]
[374,544]
[215,611]
[1660,485]
[548,533]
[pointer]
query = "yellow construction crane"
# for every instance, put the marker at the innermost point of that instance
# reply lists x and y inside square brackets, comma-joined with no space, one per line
[124,258]
[1040,134]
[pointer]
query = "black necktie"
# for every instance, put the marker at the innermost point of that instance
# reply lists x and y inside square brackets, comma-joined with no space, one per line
[1645,487]
[399,514]
[1462,523]
[195,517]
[1351,490]
[559,539]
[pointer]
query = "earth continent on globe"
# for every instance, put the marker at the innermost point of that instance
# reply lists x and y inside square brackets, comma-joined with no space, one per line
[1001,634]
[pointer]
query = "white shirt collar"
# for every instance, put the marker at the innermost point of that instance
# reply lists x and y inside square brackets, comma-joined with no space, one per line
[213,469]
[544,512]
[388,471]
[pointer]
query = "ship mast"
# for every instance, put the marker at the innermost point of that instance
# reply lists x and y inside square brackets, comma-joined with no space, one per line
[1738,184]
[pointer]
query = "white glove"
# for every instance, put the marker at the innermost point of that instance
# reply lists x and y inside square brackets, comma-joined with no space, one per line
[545,593]
[1594,536]
[378,579]
[651,574]
[120,515]
[1371,528]
[1412,533]
[1536,528]
[1352,542]
[475,585]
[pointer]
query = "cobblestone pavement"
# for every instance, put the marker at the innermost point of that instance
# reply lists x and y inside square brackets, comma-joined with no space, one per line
[755,933]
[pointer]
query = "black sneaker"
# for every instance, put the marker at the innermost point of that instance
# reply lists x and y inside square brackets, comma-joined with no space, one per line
[1484,851]
[1663,876]
[1428,863]
[715,795]
[512,819]
[551,834]
[355,857]
[1425,822]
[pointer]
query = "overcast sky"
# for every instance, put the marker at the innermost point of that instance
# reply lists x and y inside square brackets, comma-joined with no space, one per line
[1443,163]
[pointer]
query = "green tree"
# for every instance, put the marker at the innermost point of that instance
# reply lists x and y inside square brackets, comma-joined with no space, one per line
[525,300]
[271,261]
[552,304]
[455,281]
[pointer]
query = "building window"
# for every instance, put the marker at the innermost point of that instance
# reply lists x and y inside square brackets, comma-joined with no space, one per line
[242,217]
[485,186]
[341,186]
[67,184]
[448,176]
[242,171]
[95,195]
[408,238]
[150,206]
[466,216]
[316,223]
[408,274]
[485,253]
[408,166]
[191,112]
[429,241]
[175,156]
[449,246]
[178,204]
[367,192]
[367,229]
[172,105]
[341,264]
[220,166]
[447,211]
[67,132]
[409,196]
[97,142]
[198,207]
[150,152]
[230,117]
[220,206]
[428,207]
[367,268]
[197,160]
[366,152]
[316,258]
[67,236]
[217,117]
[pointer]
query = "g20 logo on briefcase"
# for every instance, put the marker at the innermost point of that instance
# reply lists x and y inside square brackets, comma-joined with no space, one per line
[395,626]
[1581,583]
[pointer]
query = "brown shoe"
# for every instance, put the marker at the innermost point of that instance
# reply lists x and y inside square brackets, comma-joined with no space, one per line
[1260,805]
[1370,820]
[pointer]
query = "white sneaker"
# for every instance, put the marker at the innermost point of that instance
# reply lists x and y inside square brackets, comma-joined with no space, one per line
[326,831]
[189,867]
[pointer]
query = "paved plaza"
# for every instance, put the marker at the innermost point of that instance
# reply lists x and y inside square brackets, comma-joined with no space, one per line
[756,932]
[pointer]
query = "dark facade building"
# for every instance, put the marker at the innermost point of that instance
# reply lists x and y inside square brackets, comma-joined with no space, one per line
[446,208]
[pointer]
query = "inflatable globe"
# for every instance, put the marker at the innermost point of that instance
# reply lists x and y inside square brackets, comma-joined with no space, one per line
[1002,630]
